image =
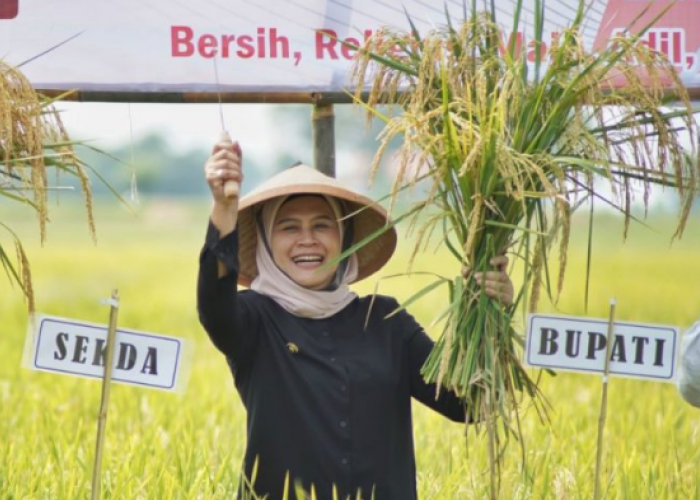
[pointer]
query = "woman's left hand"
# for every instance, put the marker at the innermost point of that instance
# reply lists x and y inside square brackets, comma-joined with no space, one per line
[497,284]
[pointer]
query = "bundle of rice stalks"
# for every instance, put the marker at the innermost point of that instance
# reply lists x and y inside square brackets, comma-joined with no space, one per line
[510,148]
[33,142]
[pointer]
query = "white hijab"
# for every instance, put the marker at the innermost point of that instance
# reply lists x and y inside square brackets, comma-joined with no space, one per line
[276,284]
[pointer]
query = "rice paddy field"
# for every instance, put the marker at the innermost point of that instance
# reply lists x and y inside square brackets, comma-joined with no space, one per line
[189,446]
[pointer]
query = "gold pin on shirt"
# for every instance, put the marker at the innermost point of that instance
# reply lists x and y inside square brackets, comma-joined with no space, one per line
[292,347]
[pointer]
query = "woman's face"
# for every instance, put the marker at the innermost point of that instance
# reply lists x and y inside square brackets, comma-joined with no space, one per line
[305,236]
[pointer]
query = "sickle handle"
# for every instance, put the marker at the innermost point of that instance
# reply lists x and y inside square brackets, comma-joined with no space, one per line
[231,188]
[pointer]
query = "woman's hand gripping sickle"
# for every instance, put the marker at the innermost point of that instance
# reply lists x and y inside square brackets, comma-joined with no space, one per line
[223,172]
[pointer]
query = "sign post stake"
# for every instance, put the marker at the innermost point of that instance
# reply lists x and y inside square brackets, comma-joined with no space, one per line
[604,398]
[104,403]
[323,123]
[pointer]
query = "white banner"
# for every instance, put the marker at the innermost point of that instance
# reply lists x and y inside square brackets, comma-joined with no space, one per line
[579,344]
[272,46]
[72,347]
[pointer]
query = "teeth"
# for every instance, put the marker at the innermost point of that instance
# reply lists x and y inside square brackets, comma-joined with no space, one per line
[308,258]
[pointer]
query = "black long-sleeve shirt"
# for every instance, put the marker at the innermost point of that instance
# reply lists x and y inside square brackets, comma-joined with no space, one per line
[328,401]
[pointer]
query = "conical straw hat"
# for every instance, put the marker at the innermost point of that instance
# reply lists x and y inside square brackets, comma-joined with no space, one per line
[303,179]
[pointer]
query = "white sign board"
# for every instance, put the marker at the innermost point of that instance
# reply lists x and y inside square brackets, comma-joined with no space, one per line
[283,46]
[579,344]
[77,348]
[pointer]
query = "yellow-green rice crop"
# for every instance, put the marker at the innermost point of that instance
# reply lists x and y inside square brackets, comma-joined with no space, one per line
[165,446]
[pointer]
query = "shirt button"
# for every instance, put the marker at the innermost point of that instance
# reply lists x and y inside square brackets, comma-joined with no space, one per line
[343,423]
[333,360]
[345,461]
[344,388]
[325,334]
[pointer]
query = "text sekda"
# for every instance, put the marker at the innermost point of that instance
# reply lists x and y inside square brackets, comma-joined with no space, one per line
[80,350]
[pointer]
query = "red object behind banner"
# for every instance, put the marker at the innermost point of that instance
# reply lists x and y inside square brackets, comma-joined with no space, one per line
[9,9]
[675,34]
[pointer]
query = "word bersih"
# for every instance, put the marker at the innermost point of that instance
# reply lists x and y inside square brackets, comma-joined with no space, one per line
[266,43]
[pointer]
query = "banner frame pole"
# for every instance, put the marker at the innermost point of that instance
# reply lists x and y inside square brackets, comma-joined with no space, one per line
[243,97]
[323,133]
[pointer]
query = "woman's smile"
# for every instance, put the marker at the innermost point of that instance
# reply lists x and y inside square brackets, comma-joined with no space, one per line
[308,261]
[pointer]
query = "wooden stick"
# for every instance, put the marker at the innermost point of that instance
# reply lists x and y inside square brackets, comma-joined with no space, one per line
[231,188]
[104,404]
[604,399]
[323,123]
[493,465]
[491,428]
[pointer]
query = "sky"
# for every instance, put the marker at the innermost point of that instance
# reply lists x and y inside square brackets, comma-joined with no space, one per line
[262,136]
[186,126]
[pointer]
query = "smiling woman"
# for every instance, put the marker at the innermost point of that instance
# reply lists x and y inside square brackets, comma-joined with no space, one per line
[326,377]
[305,236]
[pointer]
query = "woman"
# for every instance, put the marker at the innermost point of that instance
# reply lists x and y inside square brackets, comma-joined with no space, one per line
[326,380]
